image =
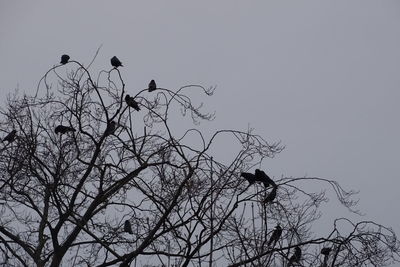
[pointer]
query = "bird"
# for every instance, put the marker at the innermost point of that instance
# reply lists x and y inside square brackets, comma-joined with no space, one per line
[128,227]
[63,129]
[152,86]
[276,234]
[10,137]
[64,59]
[111,126]
[296,256]
[130,101]
[115,62]
[261,176]
[271,196]
[251,178]
[325,251]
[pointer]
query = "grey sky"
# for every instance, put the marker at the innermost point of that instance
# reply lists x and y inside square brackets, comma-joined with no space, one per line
[322,77]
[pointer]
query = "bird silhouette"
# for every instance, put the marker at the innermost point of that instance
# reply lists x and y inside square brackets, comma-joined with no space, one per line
[115,62]
[295,257]
[251,178]
[325,251]
[61,129]
[10,137]
[128,227]
[111,126]
[64,59]
[130,101]
[261,176]
[276,234]
[271,196]
[152,86]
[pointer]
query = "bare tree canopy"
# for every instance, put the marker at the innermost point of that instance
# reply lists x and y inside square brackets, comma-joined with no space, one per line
[87,180]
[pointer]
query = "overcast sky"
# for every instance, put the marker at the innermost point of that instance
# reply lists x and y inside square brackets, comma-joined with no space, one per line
[322,77]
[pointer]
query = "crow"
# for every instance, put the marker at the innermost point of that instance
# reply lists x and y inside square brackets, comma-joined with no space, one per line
[128,227]
[130,101]
[152,86]
[115,62]
[325,251]
[251,178]
[296,256]
[271,196]
[261,176]
[63,129]
[276,234]
[10,137]
[64,59]
[111,126]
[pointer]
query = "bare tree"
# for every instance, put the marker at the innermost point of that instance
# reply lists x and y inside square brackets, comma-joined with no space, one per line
[95,178]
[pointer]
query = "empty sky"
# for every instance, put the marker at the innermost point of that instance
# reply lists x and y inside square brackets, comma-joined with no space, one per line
[322,77]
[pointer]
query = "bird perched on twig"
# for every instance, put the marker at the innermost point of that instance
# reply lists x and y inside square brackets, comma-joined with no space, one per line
[111,126]
[276,234]
[295,257]
[325,251]
[63,129]
[251,178]
[130,101]
[152,86]
[128,227]
[115,62]
[272,195]
[10,137]
[64,59]
[264,178]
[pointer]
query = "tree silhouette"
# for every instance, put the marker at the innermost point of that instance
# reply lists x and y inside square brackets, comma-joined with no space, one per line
[70,199]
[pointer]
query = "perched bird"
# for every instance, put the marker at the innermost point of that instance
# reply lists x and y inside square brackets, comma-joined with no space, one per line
[325,251]
[276,234]
[63,129]
[251,178]
[271,196]
[152,86]
[64,59]
[115,62]
[130,101]
[111,126]
[128,227]
[296,256]
[10,137]
[261,176]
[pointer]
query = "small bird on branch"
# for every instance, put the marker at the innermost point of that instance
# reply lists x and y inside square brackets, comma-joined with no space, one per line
[251,178]
[264,178]
[326,250]
[61,129]
[115,62]
[276,234]
[128,227]
[295,257]
[152,86]
[10,137]
[64,59]
[130,101]
[111,126]
[272,195]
